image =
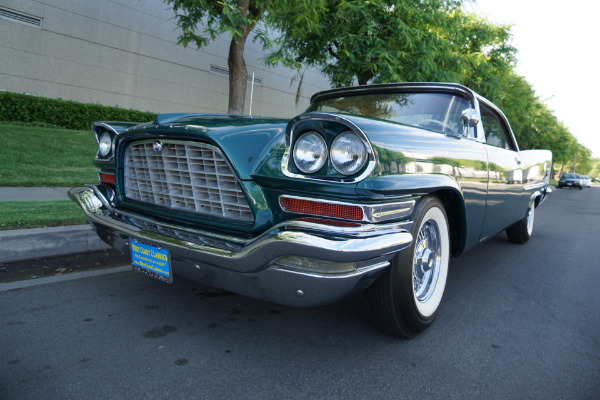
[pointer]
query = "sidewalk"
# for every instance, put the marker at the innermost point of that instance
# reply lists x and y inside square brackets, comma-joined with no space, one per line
[25,244]
[33,193]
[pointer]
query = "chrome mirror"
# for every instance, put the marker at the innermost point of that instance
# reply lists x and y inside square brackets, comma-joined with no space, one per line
[469,119]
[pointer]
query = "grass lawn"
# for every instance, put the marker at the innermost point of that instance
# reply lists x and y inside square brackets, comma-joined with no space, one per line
[36,214]
[31,156]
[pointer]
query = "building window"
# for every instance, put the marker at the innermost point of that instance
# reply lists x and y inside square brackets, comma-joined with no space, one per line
[224,71]
[19,17]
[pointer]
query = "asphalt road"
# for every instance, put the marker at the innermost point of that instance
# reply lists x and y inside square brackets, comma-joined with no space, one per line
[518,322]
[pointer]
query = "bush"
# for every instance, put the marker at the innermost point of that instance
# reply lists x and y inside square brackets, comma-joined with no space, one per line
[17,107]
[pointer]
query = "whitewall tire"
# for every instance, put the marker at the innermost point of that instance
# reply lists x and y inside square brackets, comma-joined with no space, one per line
[407,297]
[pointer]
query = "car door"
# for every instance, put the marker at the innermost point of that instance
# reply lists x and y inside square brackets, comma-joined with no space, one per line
[505,183]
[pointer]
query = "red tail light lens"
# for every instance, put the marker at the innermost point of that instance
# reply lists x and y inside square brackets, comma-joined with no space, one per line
[310,207]
[107,178]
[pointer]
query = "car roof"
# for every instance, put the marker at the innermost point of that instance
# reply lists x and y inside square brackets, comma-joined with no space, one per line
[392,87]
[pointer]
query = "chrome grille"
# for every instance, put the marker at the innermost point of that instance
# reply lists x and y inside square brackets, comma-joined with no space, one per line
[185,176]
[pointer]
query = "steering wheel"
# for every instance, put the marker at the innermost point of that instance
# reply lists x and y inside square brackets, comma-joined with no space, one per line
[435,122]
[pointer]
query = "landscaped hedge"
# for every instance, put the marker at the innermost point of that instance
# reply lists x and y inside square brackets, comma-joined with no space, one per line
[17,107]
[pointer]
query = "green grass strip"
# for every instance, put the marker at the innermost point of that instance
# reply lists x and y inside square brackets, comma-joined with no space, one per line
[38,214]
[34,156]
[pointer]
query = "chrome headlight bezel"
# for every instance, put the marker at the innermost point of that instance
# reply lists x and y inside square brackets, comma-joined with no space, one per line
[310,143]
[348,154]
[329,126]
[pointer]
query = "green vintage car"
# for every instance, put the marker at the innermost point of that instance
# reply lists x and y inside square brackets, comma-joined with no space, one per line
[372,189]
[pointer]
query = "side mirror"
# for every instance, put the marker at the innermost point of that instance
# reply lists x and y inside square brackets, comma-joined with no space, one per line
[469,119]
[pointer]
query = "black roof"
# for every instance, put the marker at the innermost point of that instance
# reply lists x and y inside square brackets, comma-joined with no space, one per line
[394,87]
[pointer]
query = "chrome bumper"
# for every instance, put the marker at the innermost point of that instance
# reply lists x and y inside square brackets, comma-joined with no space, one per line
[253,266]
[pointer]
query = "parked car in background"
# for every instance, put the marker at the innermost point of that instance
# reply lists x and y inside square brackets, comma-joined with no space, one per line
[372,189]
[586,181]
[570,180]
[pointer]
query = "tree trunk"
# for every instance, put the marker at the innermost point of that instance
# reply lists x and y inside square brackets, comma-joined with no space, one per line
[363,78]
[238,75]
[560,171]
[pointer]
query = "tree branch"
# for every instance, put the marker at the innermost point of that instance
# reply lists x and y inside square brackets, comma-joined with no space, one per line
[332,52]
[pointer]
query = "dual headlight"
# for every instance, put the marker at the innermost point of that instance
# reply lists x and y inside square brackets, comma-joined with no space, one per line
[348,153]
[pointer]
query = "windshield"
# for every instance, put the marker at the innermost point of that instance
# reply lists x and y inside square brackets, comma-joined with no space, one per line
[570,176]
[440,112]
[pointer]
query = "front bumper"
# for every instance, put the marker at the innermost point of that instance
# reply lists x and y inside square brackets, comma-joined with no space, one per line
[253,266]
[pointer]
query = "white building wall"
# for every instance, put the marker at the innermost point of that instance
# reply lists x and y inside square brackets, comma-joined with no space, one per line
[125,53]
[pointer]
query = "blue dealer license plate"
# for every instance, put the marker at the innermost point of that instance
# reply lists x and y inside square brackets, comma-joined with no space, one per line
[151,260]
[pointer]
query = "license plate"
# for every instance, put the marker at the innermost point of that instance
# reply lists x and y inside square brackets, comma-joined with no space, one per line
[151,260]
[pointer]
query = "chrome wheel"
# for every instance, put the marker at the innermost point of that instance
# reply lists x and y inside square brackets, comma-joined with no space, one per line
[429,267]
[530,217]
[426,261]
[521,231]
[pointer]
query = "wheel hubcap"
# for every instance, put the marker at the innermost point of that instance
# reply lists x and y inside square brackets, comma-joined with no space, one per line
[426,260]
[530,217]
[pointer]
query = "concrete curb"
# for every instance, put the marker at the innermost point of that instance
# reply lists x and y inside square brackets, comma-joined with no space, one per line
[24,244]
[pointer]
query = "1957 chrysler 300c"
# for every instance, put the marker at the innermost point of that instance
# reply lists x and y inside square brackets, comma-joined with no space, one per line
[371,189]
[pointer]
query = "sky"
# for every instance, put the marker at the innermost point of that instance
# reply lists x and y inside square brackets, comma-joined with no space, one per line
[558,45]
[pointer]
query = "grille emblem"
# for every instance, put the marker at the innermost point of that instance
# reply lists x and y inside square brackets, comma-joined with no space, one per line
[157,146]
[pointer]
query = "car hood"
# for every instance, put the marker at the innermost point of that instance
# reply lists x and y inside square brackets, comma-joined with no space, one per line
[255,145]
[245,141]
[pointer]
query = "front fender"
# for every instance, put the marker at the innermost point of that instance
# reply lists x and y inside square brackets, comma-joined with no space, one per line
[444,187]
[386,186]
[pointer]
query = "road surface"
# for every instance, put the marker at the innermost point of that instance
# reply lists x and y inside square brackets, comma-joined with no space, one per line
[518,322]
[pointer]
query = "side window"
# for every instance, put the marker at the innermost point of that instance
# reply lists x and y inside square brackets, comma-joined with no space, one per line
[495,133]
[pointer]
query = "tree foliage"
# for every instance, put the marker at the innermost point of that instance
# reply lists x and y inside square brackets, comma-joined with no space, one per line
[202,21]
[381,41]
[369,41]
[378,41]
[490,70]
